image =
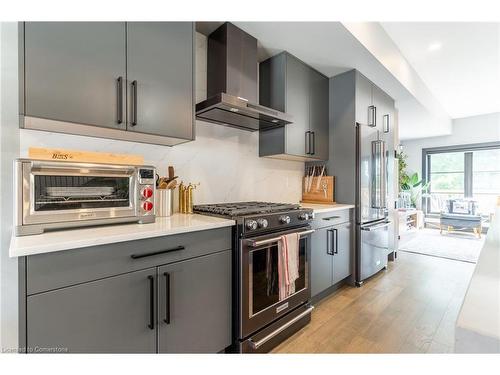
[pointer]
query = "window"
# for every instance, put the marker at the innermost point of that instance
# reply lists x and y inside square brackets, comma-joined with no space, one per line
[486,179]
[464,172]
[446,174]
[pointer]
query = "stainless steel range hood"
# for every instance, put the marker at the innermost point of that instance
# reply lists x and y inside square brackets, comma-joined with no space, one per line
[232,83]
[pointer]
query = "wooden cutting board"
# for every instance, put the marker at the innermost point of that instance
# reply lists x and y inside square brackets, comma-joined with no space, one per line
[60,154]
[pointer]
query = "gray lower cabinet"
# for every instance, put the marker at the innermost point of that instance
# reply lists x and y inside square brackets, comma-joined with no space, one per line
[289,85]
[343,251]
[160,76]
[168,294]
[321,261]
[111,315]
[195,305]
[72,72]
[331,256]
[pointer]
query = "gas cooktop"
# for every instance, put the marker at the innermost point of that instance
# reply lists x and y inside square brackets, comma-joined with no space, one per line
[244,208]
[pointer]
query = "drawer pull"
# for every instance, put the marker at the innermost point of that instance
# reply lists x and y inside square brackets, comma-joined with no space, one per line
[331,218]
[138,256]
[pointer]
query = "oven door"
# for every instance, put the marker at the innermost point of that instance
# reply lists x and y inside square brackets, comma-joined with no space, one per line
[62,192]
[259,287]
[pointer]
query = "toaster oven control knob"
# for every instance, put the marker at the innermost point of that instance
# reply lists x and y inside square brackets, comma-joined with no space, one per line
[285,219]
[251,224]
[147,192]
[147,206]
[262,223]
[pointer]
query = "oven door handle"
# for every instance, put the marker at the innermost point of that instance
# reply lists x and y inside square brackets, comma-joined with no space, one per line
[258,344]
[254,243]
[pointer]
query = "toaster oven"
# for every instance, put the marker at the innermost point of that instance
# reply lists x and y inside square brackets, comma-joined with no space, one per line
[55,195]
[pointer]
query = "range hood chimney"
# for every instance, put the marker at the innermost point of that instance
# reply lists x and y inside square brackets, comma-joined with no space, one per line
[232,78]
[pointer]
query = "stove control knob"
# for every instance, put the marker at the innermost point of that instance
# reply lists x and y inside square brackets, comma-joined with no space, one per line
[251,224]
[147,192]
[304,216]
[285,219]
[147,206]
[262,223]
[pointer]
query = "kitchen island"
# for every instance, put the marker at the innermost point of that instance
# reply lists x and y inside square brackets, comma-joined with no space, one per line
[478,324]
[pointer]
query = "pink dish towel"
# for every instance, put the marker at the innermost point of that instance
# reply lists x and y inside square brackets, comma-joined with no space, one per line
[288,264]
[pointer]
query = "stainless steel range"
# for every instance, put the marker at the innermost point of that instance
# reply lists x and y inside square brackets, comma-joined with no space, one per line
[261,319]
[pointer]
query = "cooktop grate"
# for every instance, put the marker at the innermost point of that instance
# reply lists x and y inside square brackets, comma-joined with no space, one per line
[244,208]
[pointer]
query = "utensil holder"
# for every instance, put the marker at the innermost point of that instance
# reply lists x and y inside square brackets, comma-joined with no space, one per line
[164,202]
[324,194]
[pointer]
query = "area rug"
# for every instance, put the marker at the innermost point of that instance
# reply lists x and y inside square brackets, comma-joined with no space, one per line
[458,246]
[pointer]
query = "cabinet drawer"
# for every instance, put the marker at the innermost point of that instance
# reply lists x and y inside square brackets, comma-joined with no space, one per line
[326,219]
[56,270]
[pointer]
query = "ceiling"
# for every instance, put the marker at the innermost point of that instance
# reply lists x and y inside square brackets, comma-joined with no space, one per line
[458,61]
[333,47]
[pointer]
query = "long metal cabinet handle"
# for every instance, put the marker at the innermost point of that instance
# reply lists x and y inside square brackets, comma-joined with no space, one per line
[336,234]
[167,298]
[313,142]
[386,123]
[253,243]
[151,324]
[134,103]
[372,116]
[308,142]
[329,240]
[258,344]
[119,96]
[138,256]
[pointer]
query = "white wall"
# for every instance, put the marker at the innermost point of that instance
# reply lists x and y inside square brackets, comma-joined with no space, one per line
[468,130]
[9,146]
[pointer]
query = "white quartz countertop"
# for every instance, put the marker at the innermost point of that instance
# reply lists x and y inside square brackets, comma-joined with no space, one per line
[321,208]
[478,323]
[85,237]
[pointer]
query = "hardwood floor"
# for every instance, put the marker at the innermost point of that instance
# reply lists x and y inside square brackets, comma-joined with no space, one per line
[410,308]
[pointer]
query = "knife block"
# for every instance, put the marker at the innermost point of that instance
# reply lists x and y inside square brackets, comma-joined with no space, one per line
[317,195]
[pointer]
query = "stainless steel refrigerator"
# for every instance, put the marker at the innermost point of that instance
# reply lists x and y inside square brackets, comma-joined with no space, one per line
[372,197]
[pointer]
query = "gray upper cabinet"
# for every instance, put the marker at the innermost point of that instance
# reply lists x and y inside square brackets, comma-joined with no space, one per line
[289,85]
[297,105]
[130,81]
[72,72]
[195,305]
[318,115]
[112,315]
[364,100]
[160,77]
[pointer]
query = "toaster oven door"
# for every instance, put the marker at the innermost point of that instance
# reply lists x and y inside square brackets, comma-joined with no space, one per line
[59,192]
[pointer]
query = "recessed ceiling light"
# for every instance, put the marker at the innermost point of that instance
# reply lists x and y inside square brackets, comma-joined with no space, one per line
[434,46]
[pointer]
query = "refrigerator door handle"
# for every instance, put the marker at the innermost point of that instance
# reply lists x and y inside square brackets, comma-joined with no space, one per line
[379,175]
[376,227]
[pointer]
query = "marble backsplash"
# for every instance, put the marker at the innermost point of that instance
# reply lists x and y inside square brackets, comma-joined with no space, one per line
[225,161]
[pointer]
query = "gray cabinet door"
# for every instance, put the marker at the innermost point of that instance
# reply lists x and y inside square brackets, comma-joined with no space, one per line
[160,78]
[194,305]
[342,259]
[297,104]
[321,261]
[364,100]
[318,115]
[111,315]
[72,71]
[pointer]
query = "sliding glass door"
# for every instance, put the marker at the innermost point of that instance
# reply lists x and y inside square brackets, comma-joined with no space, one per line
[471,172]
